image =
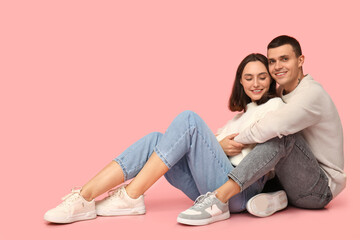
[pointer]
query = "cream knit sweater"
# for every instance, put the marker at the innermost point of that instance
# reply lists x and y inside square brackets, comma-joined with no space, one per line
[243,120]
[308,109]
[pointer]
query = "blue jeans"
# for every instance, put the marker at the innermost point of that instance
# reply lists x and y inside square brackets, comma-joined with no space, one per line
[197,163]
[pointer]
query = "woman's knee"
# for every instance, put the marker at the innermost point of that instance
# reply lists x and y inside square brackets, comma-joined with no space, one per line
[155,135]
[188,113]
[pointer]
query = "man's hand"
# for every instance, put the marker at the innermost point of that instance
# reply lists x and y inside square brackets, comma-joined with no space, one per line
[231,147]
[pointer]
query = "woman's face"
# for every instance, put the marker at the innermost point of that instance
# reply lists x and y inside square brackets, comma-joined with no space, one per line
[255,80]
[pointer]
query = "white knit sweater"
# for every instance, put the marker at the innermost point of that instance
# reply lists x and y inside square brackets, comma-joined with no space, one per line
[308,109]
[243,120]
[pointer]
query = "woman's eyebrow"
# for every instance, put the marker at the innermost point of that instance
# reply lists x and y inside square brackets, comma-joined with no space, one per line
[248,74]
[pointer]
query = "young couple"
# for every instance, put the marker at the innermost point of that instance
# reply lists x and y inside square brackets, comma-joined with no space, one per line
[296,138]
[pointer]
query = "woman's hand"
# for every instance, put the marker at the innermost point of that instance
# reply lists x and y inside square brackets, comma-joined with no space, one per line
[231,147]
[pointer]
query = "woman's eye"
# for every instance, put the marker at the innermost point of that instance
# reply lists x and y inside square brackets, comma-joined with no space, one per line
[248,79]
[263,78]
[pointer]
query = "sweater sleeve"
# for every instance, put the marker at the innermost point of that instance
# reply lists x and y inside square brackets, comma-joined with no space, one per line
[302,111]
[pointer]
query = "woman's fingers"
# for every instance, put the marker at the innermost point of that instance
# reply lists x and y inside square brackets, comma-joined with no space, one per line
[231,147]
[233,152]
[237,144]
[232,136]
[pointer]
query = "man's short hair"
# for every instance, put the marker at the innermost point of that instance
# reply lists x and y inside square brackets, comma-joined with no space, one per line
[284,39]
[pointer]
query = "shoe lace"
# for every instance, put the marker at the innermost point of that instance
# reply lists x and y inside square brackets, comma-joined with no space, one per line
[115,192]
[68,199]
[203,199]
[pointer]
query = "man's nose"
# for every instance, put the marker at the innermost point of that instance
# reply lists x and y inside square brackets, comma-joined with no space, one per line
[278,65]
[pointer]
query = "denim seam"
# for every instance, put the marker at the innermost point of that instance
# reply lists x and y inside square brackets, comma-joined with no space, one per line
[309,158]
[303,150]
[212,152]
[320,195]
[194,126]
[162,157]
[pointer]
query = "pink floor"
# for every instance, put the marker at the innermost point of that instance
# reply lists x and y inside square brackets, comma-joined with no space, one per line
[163,202]
[81,80]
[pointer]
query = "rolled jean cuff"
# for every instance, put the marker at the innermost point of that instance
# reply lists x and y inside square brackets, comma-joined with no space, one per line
[233,177]
[125,172]
[162,157]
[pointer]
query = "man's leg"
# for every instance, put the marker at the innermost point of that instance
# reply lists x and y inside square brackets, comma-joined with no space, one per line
[300,174]
[296,168]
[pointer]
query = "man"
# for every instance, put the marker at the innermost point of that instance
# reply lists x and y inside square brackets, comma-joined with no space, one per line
[302,142]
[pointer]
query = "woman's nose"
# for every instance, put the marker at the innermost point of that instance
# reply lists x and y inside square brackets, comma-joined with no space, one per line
[256,82]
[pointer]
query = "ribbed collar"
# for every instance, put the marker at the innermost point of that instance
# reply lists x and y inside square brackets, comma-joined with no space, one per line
[303,81]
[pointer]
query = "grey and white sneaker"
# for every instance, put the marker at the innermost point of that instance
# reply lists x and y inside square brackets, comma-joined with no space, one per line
[206,209]
[73,208]
[119,203]
[266,204]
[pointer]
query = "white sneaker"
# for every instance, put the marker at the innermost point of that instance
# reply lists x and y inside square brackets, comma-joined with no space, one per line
[119,203]
[266,204]
[73,208]
[206,209]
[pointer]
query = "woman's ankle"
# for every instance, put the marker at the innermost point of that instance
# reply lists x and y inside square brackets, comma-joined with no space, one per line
[132,193]
[86,195]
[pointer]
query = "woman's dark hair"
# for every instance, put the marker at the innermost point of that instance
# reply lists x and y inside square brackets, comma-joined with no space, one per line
[238,98]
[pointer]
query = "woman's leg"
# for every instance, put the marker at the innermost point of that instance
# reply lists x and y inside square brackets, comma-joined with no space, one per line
[186,139]
[109,177]
[196,160]
[124,167]
[149,174]
[189,149]
[80,205]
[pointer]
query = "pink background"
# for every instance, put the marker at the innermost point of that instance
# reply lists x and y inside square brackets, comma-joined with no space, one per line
[82,80]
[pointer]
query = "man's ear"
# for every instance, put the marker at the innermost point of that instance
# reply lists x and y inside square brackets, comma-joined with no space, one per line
[301,60]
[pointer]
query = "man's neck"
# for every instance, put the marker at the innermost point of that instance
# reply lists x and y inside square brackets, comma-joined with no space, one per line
[293,86]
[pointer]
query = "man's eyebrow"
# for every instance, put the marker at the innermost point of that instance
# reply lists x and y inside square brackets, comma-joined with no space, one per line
[282,56]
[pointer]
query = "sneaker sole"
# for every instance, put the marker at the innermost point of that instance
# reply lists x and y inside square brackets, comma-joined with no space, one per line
[78,217]
[121,212]
[199,222]
[266,204]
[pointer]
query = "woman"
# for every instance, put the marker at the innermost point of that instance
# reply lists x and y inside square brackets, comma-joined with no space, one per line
[188,155]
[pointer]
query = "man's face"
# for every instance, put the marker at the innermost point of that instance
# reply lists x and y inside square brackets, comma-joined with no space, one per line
[285,67]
